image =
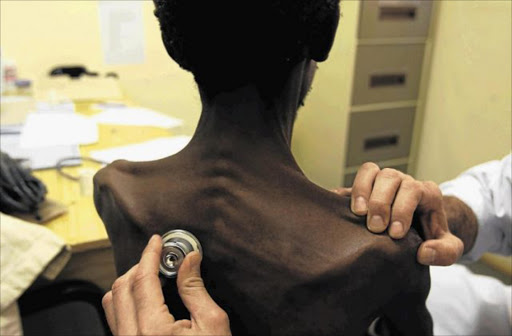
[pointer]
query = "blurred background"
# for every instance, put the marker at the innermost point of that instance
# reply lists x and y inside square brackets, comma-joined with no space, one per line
[465,112]
[421,86]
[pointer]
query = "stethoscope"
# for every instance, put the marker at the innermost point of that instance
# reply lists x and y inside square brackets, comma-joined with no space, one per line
[176,244]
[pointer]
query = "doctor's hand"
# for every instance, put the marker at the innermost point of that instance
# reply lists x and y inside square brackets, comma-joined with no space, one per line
[389,199]
[135,305]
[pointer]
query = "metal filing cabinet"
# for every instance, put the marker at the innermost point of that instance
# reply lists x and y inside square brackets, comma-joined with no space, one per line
[387,73]
[390,19]
[388,68]
[379,135]
[350,177]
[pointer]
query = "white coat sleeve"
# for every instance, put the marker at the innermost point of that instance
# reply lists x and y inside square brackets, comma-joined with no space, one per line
[487,190]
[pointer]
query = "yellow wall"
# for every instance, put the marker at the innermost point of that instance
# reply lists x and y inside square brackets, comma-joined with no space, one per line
[467,117]
[41,34]
[320,130]
[468,110]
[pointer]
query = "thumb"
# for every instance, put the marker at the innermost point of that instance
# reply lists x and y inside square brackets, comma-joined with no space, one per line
[342,191]
[443,251]
[192,291]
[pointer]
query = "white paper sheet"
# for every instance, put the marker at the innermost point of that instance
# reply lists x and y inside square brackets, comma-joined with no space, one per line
[15,99]
[122,31]
[145,151]
[136,117]
[39,158]
[108,105]
[46,107]
[55,129]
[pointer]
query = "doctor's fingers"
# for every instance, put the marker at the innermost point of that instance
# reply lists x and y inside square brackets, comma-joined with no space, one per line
[119,303]
[444,251]
[406,202]
[205,312]
[147,291]
[362,188]
[342,191]
[385,189]
[441,247]
[108,307]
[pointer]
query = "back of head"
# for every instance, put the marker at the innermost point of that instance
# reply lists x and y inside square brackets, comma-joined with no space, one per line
[229,43]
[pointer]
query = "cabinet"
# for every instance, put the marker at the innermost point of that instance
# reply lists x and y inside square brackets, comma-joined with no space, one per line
[392,48]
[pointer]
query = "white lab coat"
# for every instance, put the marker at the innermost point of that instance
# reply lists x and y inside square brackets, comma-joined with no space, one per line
[487,190]
[462,303]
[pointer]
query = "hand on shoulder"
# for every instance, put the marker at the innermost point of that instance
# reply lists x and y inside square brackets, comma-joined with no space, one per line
[389,199]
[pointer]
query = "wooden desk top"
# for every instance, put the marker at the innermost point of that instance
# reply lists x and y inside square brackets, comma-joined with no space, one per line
[81,227]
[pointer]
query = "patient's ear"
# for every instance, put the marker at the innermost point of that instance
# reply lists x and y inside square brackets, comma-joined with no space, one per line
[322,37]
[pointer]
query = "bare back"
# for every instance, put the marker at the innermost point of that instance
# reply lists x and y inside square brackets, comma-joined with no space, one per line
[281,255]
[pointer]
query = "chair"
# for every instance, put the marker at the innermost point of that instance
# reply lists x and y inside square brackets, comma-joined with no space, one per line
[71,307]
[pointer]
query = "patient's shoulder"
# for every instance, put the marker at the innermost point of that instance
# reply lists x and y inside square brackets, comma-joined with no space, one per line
[114,182]
[111,173]
[143,193]
[380,246]
[120,192]
[122,208]
[121,171]
[400,261]
[124,178]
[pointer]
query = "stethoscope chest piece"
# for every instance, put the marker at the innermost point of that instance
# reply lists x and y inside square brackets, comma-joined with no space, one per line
[176,244]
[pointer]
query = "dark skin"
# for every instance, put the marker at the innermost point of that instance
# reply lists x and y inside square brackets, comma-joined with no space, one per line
[282,256]
[449,226]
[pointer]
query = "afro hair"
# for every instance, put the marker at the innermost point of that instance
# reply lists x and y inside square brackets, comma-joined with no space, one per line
[226,43]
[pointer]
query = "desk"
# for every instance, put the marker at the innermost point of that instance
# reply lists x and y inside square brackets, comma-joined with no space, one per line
[81,227]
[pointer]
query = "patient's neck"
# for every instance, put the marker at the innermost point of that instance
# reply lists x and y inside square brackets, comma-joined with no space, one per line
[242,121]
[243,115]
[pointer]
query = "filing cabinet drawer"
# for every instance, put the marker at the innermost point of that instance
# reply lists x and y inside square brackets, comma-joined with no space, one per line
[388,19]
[379,135]
[386,73]
[349,178]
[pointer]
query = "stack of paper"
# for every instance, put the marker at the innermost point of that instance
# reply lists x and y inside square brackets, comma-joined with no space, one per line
[85,88]
[136,117]
[46,107]
[54,129]
[145,151]
[39,158]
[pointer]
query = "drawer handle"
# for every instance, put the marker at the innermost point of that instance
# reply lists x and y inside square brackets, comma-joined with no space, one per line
[387,80]
[380,142]
[397,13]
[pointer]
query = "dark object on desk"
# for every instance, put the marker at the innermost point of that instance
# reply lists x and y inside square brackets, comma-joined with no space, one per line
[67,308]
[47,211]
[20,191]
[112,74]
[74,72]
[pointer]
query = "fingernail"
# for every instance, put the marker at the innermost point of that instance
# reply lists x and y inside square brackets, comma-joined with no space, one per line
[396,230]
[360,205]
[194,260]
[376,224]
[153,237]
[429,256]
